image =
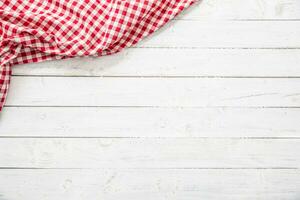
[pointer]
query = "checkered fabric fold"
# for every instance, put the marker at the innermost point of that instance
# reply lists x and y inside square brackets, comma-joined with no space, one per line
[38,30]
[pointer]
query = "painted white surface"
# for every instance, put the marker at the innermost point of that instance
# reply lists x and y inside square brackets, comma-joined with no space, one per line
[150,122]
[158,184]
[226,34]
[149,153]
[207,108]
[157,92]
[148,184]
[244,10]
[176,62]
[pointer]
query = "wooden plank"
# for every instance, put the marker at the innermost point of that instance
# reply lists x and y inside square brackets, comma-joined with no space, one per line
[176,62]
[97,91]
[146,184]
[243,10]
[149,122]
[149,153]
[226,34]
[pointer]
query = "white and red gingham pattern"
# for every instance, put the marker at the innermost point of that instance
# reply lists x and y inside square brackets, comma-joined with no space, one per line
[37,30]
[5,73]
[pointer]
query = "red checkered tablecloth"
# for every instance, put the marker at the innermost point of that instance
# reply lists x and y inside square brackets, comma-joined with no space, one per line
[38,30]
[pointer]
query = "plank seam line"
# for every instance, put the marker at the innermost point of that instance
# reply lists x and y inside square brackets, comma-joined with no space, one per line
[145,138]
[181,168]
[216,48]
[157,107]
[206,19]
[163,76]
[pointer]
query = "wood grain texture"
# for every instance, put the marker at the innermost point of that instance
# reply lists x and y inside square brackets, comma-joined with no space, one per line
[150,122]
[176,62]
[244,10]
[170,92]
[226,34]
[146,184]
[149,153]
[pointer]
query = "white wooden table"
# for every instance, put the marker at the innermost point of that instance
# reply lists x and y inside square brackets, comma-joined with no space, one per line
[207,108]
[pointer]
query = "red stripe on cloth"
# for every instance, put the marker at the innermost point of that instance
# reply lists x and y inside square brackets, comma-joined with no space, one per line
[38,30]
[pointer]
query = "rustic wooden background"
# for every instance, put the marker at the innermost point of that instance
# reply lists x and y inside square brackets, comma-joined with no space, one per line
[207,108]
